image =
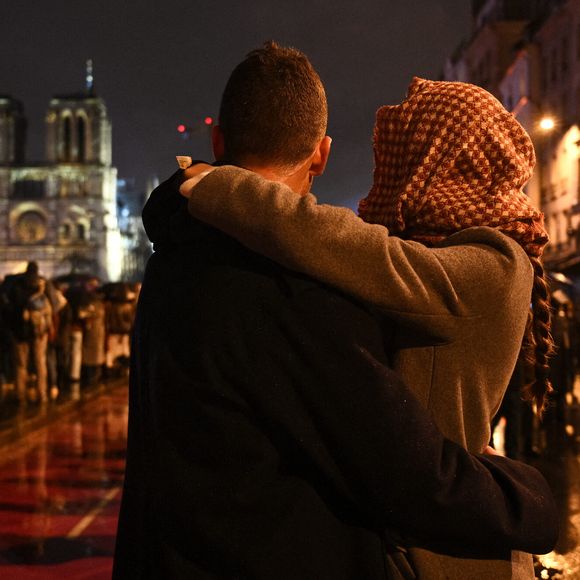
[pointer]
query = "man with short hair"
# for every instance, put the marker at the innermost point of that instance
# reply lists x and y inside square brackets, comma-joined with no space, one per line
[268,438]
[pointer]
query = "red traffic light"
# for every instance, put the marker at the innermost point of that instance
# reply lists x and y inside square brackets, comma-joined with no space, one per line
[208,121]
[181,128]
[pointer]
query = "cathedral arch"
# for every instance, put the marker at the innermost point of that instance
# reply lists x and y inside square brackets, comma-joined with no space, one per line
[83,137]
[65,231]
[66,153]
[82,230]
[28,223]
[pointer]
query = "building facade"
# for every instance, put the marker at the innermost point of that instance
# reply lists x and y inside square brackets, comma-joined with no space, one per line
[557,37]
[528,55]
[62,212]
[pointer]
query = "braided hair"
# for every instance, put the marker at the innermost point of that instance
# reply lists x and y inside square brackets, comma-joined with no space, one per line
[538,344]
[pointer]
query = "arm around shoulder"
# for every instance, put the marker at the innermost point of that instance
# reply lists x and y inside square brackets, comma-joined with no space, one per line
[334,245]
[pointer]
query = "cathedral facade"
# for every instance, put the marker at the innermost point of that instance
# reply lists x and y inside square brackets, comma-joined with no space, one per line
[61,213]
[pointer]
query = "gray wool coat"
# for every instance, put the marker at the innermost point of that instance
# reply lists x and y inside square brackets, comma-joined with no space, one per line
[460,307]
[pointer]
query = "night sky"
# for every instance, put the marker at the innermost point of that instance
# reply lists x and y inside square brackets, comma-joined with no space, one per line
[161,63]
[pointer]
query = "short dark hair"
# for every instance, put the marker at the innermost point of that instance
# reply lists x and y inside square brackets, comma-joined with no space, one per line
[273,107]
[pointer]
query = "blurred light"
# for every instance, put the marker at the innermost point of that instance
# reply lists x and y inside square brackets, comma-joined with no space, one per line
[208,121]
[547,123]
[181,128]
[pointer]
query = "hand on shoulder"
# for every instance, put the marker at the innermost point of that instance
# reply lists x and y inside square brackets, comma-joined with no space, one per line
[192,175]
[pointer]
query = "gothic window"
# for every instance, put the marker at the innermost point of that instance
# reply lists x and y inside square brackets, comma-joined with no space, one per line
[562,223]
[63,189]
[81,138]
[67,138]
[31,227]
[28,189]
[65,231]
[81,231]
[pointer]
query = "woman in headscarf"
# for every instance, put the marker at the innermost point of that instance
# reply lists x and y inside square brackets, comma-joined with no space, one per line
[449,248]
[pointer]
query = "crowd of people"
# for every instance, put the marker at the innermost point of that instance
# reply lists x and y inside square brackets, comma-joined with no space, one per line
[60,335]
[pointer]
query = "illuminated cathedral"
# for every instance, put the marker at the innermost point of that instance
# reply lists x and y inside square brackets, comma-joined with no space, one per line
[61,213]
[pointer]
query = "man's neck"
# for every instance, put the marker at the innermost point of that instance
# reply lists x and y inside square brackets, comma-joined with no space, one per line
[296,178]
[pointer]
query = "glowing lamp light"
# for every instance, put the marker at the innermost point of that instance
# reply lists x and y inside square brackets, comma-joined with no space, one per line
[208,121]
[547,124]
[181,128]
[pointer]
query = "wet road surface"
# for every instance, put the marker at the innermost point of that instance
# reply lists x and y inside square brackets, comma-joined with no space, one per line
[60,490]
[560,464]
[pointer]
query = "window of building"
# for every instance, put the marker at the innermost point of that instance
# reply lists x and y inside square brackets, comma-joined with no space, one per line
[63,188]
[65,231]
[72,188]
[28,189]
[67,139]
[562,227]
[81,231]
[81,138]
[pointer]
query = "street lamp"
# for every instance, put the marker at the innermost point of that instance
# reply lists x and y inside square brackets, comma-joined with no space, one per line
[547,124]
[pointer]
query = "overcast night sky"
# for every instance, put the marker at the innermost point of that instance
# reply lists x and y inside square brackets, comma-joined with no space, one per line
[161,63]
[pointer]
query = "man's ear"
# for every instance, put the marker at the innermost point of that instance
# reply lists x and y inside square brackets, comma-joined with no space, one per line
[320,157]
[217,142]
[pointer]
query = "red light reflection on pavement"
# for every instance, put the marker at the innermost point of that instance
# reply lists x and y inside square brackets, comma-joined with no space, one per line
[60,490]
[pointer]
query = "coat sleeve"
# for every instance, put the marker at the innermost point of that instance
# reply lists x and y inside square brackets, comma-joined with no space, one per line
[332,244]
[319,375]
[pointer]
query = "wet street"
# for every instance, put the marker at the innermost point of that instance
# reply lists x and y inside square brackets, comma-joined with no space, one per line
[560,464]
[60,491]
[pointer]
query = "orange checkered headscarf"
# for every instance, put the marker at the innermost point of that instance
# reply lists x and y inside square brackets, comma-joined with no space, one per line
[450,157]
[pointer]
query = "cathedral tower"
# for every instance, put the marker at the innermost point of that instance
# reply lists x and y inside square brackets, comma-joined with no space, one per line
[77,127]
[63,213]
[12,131]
